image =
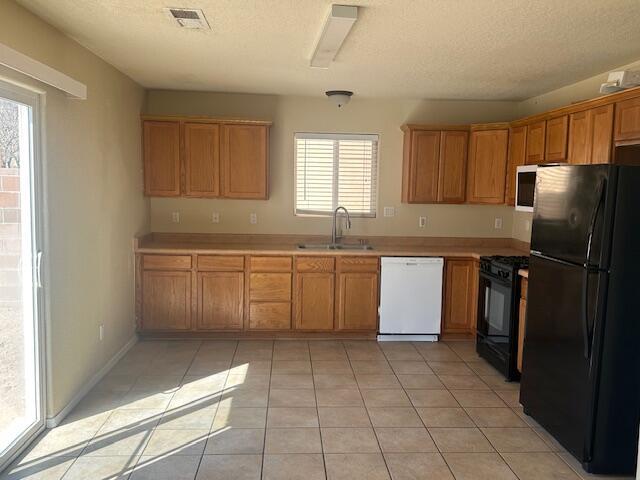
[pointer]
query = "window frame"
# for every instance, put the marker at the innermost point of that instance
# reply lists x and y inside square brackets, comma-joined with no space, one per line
[336,136]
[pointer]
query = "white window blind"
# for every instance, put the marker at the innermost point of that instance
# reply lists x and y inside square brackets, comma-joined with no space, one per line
[336,170]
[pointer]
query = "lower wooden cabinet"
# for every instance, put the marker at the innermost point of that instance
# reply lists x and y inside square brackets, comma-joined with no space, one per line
[460,296]
[166,300]
[522,321]
[357,301]
[220,300]
[314,301]
[269,302]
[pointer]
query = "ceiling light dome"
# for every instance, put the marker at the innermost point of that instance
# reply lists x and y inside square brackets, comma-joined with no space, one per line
[339,97]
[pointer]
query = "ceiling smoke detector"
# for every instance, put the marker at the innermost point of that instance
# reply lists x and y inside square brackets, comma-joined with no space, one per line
[339,97]
[192,18]
[620,80]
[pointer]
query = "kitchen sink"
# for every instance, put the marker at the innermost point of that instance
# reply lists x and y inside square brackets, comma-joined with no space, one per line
[334,246]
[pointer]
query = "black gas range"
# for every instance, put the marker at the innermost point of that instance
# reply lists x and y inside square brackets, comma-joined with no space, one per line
[498,302]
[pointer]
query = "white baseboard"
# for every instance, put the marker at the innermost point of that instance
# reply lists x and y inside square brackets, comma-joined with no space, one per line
[57,419]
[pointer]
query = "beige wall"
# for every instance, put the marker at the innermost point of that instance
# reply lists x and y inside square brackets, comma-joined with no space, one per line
[316,114]
[95,206]
[583,90]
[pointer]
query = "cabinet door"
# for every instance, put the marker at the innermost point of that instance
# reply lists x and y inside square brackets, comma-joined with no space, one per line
[314,301]
[460,293]
[516,157]
[556,140]
[601,133]
[535,143]
[357,302]
[220,300]
[423,166]
[202,159]
[452,167]
[487,166]
[627,123]
[579,149]
[161,145]
[166,300]
[522,324]
[245,161]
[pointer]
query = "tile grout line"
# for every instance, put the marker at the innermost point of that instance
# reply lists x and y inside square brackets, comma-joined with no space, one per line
[266,412]
[315,396]
[375,434]
[195,476]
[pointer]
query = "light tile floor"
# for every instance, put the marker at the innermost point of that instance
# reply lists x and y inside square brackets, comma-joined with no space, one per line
[227,410]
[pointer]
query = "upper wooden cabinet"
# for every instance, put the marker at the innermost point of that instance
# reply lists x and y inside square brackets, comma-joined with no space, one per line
[245,168]
[453,166]
[590,135]
[535,142]
[161,158]
[487,166]
[202,160]
[516,157]
[556,140]
[420,167]
[601,128]
[198,157]
[627,123]
[434,165]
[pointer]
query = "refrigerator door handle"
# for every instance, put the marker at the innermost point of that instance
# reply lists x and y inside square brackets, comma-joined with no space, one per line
[585,314]
[592,223]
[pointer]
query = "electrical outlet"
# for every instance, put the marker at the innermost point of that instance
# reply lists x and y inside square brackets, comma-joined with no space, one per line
[527,226]
[497,223]
[215,217]
[422,222]
[175,217]
[253,218]
[389,211]
[101,332]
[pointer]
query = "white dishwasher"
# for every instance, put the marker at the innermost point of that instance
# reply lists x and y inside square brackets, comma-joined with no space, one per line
[410,298]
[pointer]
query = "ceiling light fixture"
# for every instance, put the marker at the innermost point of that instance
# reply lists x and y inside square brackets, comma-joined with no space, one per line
[335,30]
[339,97]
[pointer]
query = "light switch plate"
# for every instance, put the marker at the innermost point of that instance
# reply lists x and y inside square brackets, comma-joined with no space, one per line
[497,224]
[422,222]
[253,218]
[215,217]
[175,217]
[389,211]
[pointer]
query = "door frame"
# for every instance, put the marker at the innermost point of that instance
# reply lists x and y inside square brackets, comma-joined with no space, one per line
[35,98]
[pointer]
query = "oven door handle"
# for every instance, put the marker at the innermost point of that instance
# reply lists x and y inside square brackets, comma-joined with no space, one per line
[487,292]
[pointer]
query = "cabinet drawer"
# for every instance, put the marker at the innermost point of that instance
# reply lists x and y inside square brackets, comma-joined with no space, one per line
[270,287]
[166,262]
[358,264]
[220,263]
[315,264]
[271,264]
[270,316]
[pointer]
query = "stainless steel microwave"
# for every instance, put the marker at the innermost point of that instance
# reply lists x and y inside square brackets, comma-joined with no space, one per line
[525,187]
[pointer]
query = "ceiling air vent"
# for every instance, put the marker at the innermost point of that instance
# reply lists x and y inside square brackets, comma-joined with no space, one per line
[188,17]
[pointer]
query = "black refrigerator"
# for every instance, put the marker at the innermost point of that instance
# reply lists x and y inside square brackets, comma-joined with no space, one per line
[581,359]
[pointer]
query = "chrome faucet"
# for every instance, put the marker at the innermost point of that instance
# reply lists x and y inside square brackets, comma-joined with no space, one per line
[334,235]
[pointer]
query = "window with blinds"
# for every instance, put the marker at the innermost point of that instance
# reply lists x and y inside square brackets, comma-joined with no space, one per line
[336,170]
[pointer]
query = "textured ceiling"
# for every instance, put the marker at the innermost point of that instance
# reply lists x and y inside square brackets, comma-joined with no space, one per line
[466,49]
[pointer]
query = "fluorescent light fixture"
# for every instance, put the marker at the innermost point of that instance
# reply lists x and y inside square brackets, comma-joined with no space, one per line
[335,30]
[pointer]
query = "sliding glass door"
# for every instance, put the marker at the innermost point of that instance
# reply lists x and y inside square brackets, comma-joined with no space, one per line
[21,346]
